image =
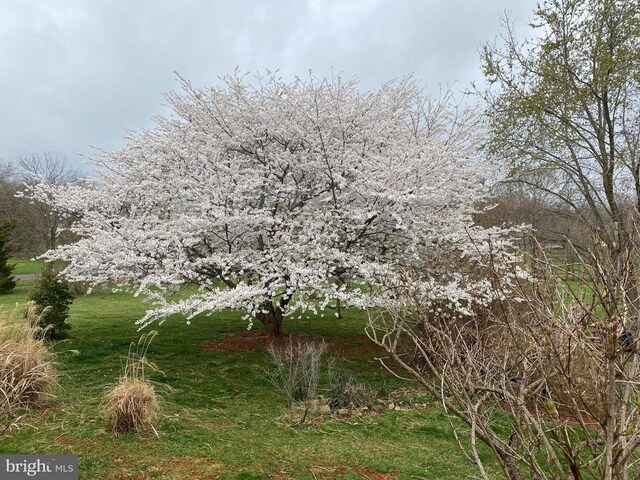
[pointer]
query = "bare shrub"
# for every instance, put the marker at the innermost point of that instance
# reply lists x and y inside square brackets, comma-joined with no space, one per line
[346,391]
[133,404]
[297,370]
[27,373]
[547,377]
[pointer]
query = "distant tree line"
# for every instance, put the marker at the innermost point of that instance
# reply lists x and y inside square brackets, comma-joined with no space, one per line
[33,226]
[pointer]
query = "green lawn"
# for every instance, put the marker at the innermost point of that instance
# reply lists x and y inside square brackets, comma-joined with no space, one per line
[221,418]
[25,266]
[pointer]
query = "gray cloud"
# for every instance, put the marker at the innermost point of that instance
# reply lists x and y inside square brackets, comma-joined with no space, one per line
[77,73]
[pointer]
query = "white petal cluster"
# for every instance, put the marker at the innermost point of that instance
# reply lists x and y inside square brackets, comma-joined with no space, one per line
[262,189]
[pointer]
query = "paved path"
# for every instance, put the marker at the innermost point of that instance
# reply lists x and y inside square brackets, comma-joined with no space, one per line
[27,276]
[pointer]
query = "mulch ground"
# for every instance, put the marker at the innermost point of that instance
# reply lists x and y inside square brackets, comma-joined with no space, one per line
[247,340]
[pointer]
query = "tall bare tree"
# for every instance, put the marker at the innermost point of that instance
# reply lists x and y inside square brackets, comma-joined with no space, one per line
[564,110]
[37,218]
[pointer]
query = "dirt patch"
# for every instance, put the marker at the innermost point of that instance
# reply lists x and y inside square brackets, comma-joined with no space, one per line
[187,468]
[247,340]
[357,346]
[326,473]
[62,440]
[198,468]
[568,417]
[377,475]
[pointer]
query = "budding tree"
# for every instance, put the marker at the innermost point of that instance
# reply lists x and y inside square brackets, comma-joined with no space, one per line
[44,226]
[563,108]
[272,196]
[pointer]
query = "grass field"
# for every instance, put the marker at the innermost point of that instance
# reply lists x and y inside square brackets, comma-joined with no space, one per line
[221,417]
[24,266]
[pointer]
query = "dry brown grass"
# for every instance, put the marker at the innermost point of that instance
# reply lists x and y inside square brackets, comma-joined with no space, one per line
[297,369]
[27,372]
[133,405]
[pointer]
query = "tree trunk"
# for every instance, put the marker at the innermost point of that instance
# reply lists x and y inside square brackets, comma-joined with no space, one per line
[626,274]
[272,319]
[633,299]
[338,308]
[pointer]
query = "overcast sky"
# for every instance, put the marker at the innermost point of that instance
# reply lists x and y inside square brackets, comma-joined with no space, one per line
[76,73]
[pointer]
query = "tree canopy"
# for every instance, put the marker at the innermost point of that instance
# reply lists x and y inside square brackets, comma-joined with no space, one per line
[563,106]
[564,110]
[273,196]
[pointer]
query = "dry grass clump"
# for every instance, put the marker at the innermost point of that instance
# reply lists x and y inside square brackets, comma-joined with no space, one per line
[27,372]
[132,405]
[297,369]
[346,391]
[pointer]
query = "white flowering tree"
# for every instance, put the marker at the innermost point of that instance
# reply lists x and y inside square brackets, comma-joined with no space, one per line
[273,197]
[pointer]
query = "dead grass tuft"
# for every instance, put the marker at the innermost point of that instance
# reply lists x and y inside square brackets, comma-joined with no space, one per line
[133,405]
[27,372]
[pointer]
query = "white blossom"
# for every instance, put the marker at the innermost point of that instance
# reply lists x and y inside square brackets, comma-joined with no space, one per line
[266,191]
